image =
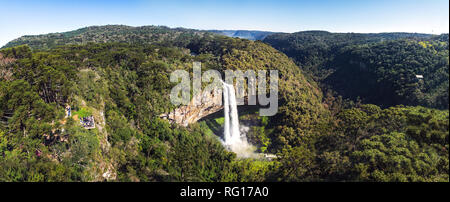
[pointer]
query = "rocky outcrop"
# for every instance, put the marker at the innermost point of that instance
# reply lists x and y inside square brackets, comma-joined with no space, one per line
[201,106]
[6,71]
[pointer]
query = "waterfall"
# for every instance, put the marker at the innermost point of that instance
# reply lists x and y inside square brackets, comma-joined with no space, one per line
[232,135]
[233,139]
[226,129]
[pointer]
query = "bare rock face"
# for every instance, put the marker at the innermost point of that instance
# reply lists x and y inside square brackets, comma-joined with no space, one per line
[6,71]
[200,106]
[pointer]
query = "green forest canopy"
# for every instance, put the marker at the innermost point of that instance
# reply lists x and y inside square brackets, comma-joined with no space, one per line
[120,75]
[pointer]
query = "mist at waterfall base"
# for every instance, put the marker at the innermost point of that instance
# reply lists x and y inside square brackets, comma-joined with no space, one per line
[235,138]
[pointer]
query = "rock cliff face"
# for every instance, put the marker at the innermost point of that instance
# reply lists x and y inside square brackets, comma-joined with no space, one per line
[5,67]
[201,106]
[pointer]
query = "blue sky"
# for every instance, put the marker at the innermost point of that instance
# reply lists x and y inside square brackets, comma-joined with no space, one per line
[26,17]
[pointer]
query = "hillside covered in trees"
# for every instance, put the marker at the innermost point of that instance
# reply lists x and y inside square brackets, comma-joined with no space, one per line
[244,34]
[386,69]
[119,75]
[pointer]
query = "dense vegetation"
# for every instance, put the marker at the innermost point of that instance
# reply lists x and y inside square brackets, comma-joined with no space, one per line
[376,68]
[111,33]
[120,76]
[243,34]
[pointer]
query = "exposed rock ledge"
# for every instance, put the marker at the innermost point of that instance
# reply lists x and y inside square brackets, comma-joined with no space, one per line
[209,103]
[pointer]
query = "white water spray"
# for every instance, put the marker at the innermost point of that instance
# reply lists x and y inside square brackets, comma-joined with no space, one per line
[232,136]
